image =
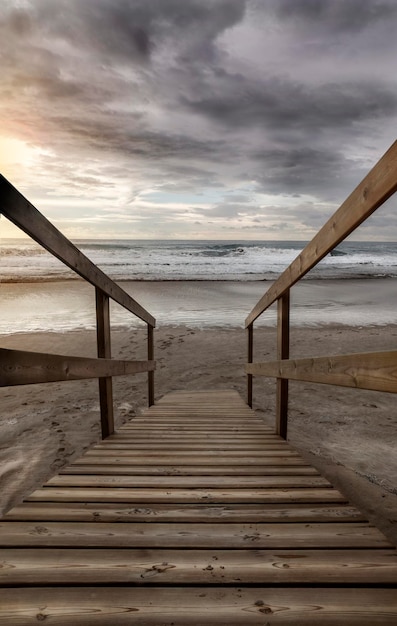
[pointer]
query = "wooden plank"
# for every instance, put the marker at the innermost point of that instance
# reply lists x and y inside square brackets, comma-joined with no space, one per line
[190,429]
[122,436]
[19,367]
[192,445]
[185,496]
[211,535]
[35,566]
[369,370]
[190,470]
[199,606]
[189,454]
[287,459]
[243,513]
[191,517]
[23,214]
[376,187]
[147,438]
[189,482]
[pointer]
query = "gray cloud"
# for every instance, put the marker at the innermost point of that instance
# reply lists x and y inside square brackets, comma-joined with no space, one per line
[287,104]
[336,15]
[228,100]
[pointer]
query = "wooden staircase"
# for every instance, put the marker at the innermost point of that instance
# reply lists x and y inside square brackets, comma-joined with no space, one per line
[193,513]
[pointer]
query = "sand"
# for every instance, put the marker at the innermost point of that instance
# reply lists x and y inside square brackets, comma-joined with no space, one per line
[349,435]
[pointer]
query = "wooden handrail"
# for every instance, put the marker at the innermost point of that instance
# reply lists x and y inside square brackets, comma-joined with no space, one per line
[374,190]
[18,367]
[21,367]
[15,207]
[375,371]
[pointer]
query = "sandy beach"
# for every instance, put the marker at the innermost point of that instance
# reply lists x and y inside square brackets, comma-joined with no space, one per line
[348,434]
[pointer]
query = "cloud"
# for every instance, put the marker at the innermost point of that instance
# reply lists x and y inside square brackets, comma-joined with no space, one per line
[335,15]
[237,103]
[284,104]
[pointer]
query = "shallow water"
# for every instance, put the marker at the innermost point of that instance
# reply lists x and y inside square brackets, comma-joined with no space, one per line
[69,305]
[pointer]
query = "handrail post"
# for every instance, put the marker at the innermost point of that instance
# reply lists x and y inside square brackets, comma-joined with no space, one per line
[283,328]
[250,330]
[150,356]
[104,351]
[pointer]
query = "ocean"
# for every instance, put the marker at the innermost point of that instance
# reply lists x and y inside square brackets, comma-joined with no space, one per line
[196,283]
[26,261]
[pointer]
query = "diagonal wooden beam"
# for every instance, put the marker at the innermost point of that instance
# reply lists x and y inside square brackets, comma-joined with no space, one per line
[15,207]
[376,187]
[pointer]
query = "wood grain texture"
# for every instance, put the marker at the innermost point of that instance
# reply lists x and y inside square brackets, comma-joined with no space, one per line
[19,367]
[178,536]
[37,566]
[124,494]
[370,370]
[209,535]
[200,606]
[189,482]
[189,513]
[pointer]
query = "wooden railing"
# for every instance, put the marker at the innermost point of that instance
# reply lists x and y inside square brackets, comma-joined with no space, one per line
[21,368]
[365,371]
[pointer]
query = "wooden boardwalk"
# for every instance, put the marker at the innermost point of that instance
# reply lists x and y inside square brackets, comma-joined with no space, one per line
[194,513]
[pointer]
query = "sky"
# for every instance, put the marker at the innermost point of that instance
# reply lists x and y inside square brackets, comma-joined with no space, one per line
[196,119]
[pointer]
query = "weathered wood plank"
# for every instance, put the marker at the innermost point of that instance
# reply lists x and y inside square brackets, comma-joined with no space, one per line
[206,513]
[376,187]
[159,445]
[184,496]
[200,606]
[21,212]
[259,517]
[104,352]
[19,367]
[369,370]
[210,535]
[147,439]
[289,459]
[35,566]
[283,314]
[189,482]
[190,470]
[190,454]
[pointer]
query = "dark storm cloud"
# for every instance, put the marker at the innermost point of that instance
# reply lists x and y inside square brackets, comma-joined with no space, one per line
[293,97]
[305,170]
[335,15]
[279,103]
[131,30]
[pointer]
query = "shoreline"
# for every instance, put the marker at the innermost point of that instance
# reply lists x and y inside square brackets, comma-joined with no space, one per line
[69,306]
[346,433]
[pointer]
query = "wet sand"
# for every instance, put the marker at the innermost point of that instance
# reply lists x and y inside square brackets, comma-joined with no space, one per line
[348,434]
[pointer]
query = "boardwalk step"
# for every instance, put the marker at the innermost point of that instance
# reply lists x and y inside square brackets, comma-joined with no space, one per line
[193,513]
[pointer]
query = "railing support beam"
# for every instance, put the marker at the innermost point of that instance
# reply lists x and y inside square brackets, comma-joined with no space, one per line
[104,351]
[283,328]
[150,356]
[250,331]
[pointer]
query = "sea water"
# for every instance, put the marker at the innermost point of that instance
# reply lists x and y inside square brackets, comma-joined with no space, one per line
[24,260]
[199,284]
